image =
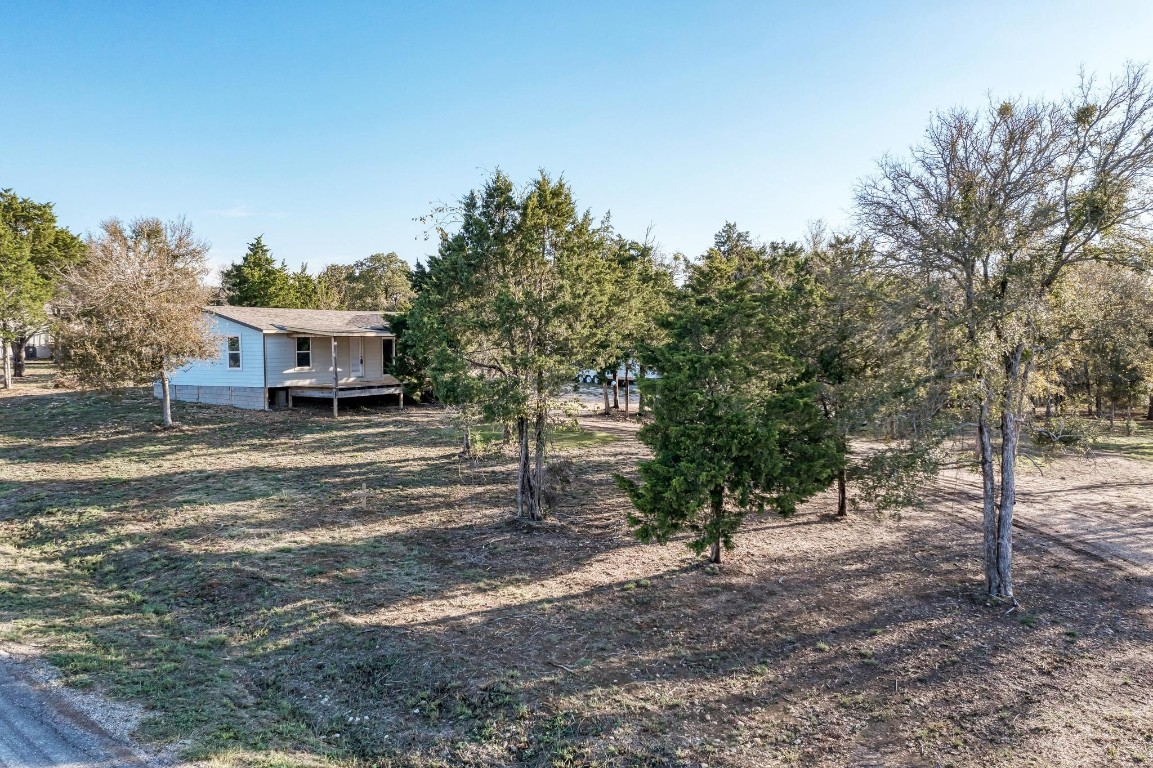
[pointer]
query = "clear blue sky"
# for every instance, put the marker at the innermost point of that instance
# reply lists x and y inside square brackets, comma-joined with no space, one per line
[329,126]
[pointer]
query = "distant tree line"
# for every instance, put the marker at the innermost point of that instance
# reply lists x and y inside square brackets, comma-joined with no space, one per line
[382,282]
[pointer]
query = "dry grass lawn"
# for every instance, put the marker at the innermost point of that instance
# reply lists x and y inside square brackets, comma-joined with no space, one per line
[232,577]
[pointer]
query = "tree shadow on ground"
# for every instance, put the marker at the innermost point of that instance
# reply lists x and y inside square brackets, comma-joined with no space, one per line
[270,606]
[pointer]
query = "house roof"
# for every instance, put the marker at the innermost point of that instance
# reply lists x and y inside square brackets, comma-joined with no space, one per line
[307,322]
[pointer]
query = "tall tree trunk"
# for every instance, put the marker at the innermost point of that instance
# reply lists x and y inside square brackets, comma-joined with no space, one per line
[842,494]
[1149,413]
[616,393]
[1012,411]
[20,353]
[988,494]
[165,400]
[627,390]
[605,392]
[536,508]
[1009,432]
[7,365]
[523,476]
[842,473]
[718,510]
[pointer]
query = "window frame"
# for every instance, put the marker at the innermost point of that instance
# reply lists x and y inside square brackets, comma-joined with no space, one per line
[299,352]
[387,353]
[229,352]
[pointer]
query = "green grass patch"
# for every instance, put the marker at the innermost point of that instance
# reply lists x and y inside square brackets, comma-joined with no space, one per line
[1138,445]
[567,437]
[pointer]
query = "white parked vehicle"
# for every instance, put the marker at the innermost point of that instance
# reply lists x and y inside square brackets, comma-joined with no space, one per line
[631,373]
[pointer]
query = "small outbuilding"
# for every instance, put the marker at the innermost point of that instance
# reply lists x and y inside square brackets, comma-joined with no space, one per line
[267,357]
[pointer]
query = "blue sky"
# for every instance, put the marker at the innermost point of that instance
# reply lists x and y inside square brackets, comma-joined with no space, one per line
[328,127]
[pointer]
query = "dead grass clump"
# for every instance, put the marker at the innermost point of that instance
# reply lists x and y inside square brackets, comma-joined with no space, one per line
[558,477]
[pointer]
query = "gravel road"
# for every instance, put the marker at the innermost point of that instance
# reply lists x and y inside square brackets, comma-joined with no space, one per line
[42,726]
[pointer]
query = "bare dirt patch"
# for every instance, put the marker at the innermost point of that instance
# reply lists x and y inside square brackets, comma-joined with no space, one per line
[232,577]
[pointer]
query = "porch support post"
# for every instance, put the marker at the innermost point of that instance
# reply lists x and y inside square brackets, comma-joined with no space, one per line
[335,382]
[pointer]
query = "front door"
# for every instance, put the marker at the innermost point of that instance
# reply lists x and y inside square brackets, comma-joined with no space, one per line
[357,354]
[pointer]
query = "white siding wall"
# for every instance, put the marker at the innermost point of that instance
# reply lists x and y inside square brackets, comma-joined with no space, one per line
[374,358]
[43,344]
[280,363]
[215,371]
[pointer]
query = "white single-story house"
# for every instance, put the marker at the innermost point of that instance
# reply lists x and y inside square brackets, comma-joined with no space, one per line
[38,346]
[269,356]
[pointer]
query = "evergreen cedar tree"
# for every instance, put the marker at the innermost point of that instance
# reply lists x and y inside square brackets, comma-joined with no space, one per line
[258,281]
[23,296]
[736,426]
[870,361]
[511,303]
[640,289]
[33,253]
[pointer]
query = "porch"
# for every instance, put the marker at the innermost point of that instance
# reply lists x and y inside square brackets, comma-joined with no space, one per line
[386,385]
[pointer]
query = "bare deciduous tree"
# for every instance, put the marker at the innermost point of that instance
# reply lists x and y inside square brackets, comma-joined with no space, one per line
[133,311]
[988,213]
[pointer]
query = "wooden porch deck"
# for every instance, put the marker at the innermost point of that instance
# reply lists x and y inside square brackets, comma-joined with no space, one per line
[345,389]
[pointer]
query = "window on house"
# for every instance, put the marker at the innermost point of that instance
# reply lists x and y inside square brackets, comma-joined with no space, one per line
[389,353]
[233,351]
[304,352]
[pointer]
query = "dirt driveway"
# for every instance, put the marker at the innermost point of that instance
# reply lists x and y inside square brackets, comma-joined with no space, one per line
[1101,506]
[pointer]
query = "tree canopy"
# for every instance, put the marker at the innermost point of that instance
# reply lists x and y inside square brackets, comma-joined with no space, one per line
[987,215]
[258,281]
[34,251]
[133,309]
[736,426]
[503,320]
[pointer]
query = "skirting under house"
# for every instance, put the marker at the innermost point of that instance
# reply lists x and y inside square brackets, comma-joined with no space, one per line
[237,397]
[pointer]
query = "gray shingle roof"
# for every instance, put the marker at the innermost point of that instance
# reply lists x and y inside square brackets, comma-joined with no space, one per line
[320,322]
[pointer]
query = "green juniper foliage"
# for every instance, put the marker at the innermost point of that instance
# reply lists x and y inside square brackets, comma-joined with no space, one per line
[503,316]
[257,281]
[736,426]
[638,288]
[867,354]
[33,252]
